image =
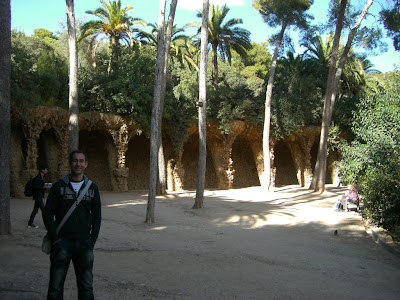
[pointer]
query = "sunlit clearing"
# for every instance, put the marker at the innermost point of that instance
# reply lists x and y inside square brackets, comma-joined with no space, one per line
[159,228]
[257,194]
[127,204]
[299,214]
[259,221]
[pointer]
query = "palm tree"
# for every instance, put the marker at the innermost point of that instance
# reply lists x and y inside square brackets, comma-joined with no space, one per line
[317,57]
[114,23]
[181,47]
[319,50]
[224,37]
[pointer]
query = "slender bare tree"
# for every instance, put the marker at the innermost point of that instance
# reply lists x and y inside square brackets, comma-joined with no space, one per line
[158,101]
[162,181]
[283,13]
[5,125]
[73,140]
[202,106]
[333,81]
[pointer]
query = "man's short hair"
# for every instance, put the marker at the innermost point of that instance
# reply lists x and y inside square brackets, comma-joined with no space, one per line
[71,155]
[42,167]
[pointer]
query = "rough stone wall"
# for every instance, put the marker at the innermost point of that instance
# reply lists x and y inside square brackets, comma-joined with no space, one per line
[189,161]
[95,145]
[17,178]
[138,162]
[244,165]
[119,158]
[285,167]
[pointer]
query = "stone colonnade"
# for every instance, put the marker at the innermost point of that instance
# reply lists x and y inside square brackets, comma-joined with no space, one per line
[116,133]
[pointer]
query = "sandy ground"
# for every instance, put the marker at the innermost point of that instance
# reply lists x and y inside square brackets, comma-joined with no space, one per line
[244,244]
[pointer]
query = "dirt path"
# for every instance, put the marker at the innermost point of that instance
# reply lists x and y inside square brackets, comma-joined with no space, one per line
[244,244]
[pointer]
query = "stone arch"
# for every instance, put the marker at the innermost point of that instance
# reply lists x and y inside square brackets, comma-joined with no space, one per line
[243,163]
[17,163]
[314,154]
[190,162]
[94,143]
[49,153]
[285,167]
[138,162]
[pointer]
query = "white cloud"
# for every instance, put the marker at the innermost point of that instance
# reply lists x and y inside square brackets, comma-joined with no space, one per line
[198,4]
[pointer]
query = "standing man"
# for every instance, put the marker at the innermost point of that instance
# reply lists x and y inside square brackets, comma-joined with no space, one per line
[79,233]
[38,188]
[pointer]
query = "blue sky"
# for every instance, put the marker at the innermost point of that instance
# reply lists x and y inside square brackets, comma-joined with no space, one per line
[27,15]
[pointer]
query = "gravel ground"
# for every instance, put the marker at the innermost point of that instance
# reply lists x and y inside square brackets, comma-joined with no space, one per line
[243,244]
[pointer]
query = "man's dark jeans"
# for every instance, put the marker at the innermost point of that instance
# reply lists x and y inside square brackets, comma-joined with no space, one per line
[81,253]
[38,204]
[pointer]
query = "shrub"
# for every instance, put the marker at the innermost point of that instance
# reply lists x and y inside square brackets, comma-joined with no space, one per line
[372,159]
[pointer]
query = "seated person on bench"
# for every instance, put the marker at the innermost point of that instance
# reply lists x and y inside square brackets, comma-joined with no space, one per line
[351,196]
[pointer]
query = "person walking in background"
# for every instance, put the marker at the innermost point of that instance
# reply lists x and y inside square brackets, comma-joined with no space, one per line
[38,188]
[76,238]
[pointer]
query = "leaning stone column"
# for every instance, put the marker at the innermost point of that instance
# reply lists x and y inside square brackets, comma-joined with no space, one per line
[121,139]
[272,162]
[175,171]
[221,149]
[258,154]
[298,159]
[257,150]
[62,138]
[307,139]
[221,154]
[31,134]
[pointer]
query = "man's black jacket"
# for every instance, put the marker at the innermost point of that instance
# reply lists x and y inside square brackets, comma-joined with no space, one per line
[38,187]
[84,222]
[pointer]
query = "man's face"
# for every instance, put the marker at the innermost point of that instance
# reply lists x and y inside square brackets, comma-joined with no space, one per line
[78,164]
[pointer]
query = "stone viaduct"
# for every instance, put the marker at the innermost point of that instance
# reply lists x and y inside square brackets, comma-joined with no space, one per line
[118,154]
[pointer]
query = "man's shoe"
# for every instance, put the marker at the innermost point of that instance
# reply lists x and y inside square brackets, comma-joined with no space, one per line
[32,226]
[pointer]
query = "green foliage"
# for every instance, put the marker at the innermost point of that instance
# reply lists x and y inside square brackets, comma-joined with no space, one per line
[256,63]
[278,12]
[180,109]
[234,100]
[126,91]
[297,96]
[317,58]
[226,35]
[45,35]
[391,20]
[372,160]
[113,23]
[39,75]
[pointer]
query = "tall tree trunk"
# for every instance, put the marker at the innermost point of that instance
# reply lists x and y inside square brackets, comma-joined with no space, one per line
[319,178]
[73,141]
[5,123]
[113,63]
[345,53]
[214,54]
[318,181]
[266,181]
[158,102]
[162,180]
[202,105]
[156,117]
